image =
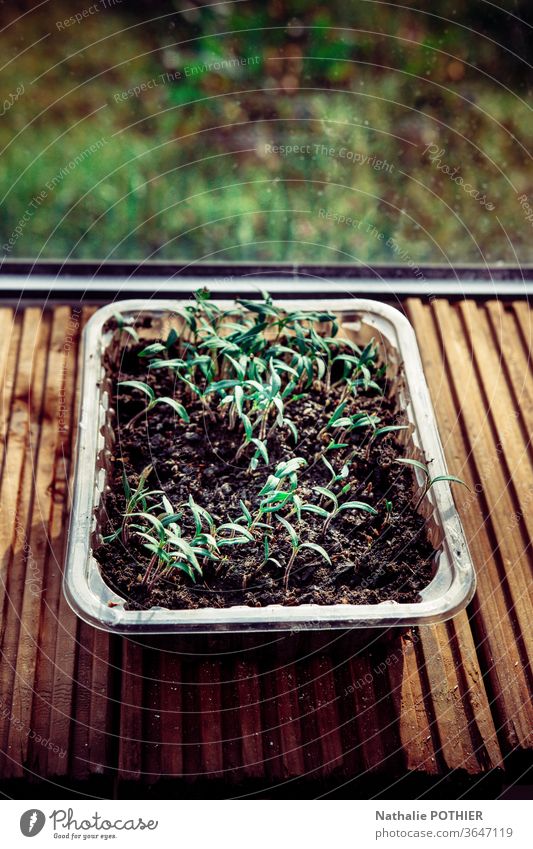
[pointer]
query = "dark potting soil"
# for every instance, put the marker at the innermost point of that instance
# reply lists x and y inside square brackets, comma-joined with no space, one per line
[374,558]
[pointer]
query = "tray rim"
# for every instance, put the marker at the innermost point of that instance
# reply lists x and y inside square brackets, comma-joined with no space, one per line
[96,610]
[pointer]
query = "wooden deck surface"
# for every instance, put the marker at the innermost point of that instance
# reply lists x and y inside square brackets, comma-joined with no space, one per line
[441,706]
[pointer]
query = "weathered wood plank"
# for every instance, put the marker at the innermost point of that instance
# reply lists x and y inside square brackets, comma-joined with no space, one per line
[131,704]
[10,330]
[42,758]
[249,701]
[290,731]
[469,454]
[507,440]
[18,564]
[79,767]
[374,726]
[327,714]
[64,656]
[45,452]
[414,723]
[210,707]
[171,715]
[516,362]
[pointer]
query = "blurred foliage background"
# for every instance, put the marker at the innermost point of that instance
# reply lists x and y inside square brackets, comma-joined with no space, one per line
[143,130]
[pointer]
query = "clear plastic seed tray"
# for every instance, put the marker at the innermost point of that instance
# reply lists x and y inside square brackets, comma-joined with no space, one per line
[453,582]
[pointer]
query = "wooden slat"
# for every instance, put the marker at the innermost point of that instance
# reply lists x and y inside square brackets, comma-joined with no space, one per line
[516,362]
[307,707]
[502,658]
[249,701]
[79,756]
[16,498]
[326,714]
[474,696]
[64,659]
[52,759]
[415,725]
[99,733]
[171,715]
[151,760]
[498,408]
[192,738]
[271,737]
[375,724]
[131,703]
[290,732]
[524,318]
[45,452]
[210,706]
[455,744]
[10,326]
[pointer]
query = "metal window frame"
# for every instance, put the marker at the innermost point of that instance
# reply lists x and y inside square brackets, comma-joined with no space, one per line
[26,279]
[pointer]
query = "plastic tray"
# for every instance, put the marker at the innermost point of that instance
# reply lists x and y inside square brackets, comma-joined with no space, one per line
[453,583]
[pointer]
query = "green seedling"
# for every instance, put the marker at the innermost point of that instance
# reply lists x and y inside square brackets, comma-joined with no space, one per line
[140,499]
[383,431]
[260,446]
[296,547]
[163,536]
[153,400]
[234,400]
[334,419]
[304,369]
[272,496]
[261,399]
[250,522]
[170,551]
[342,425]
[238,535]
[429,481]
[160,347]
[202,518]
[336,476]
[156,525]
[336,508]
[261,452]
[185,371]
[126,325]
[263,309]
[361,363]
[348,423]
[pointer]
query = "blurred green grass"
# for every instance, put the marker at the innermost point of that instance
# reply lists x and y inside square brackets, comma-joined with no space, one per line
[185,172]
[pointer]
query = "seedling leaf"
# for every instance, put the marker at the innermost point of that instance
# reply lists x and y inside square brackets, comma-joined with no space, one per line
[358,505]
[176,406]
[318,548]
[416,463]
[142,387]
